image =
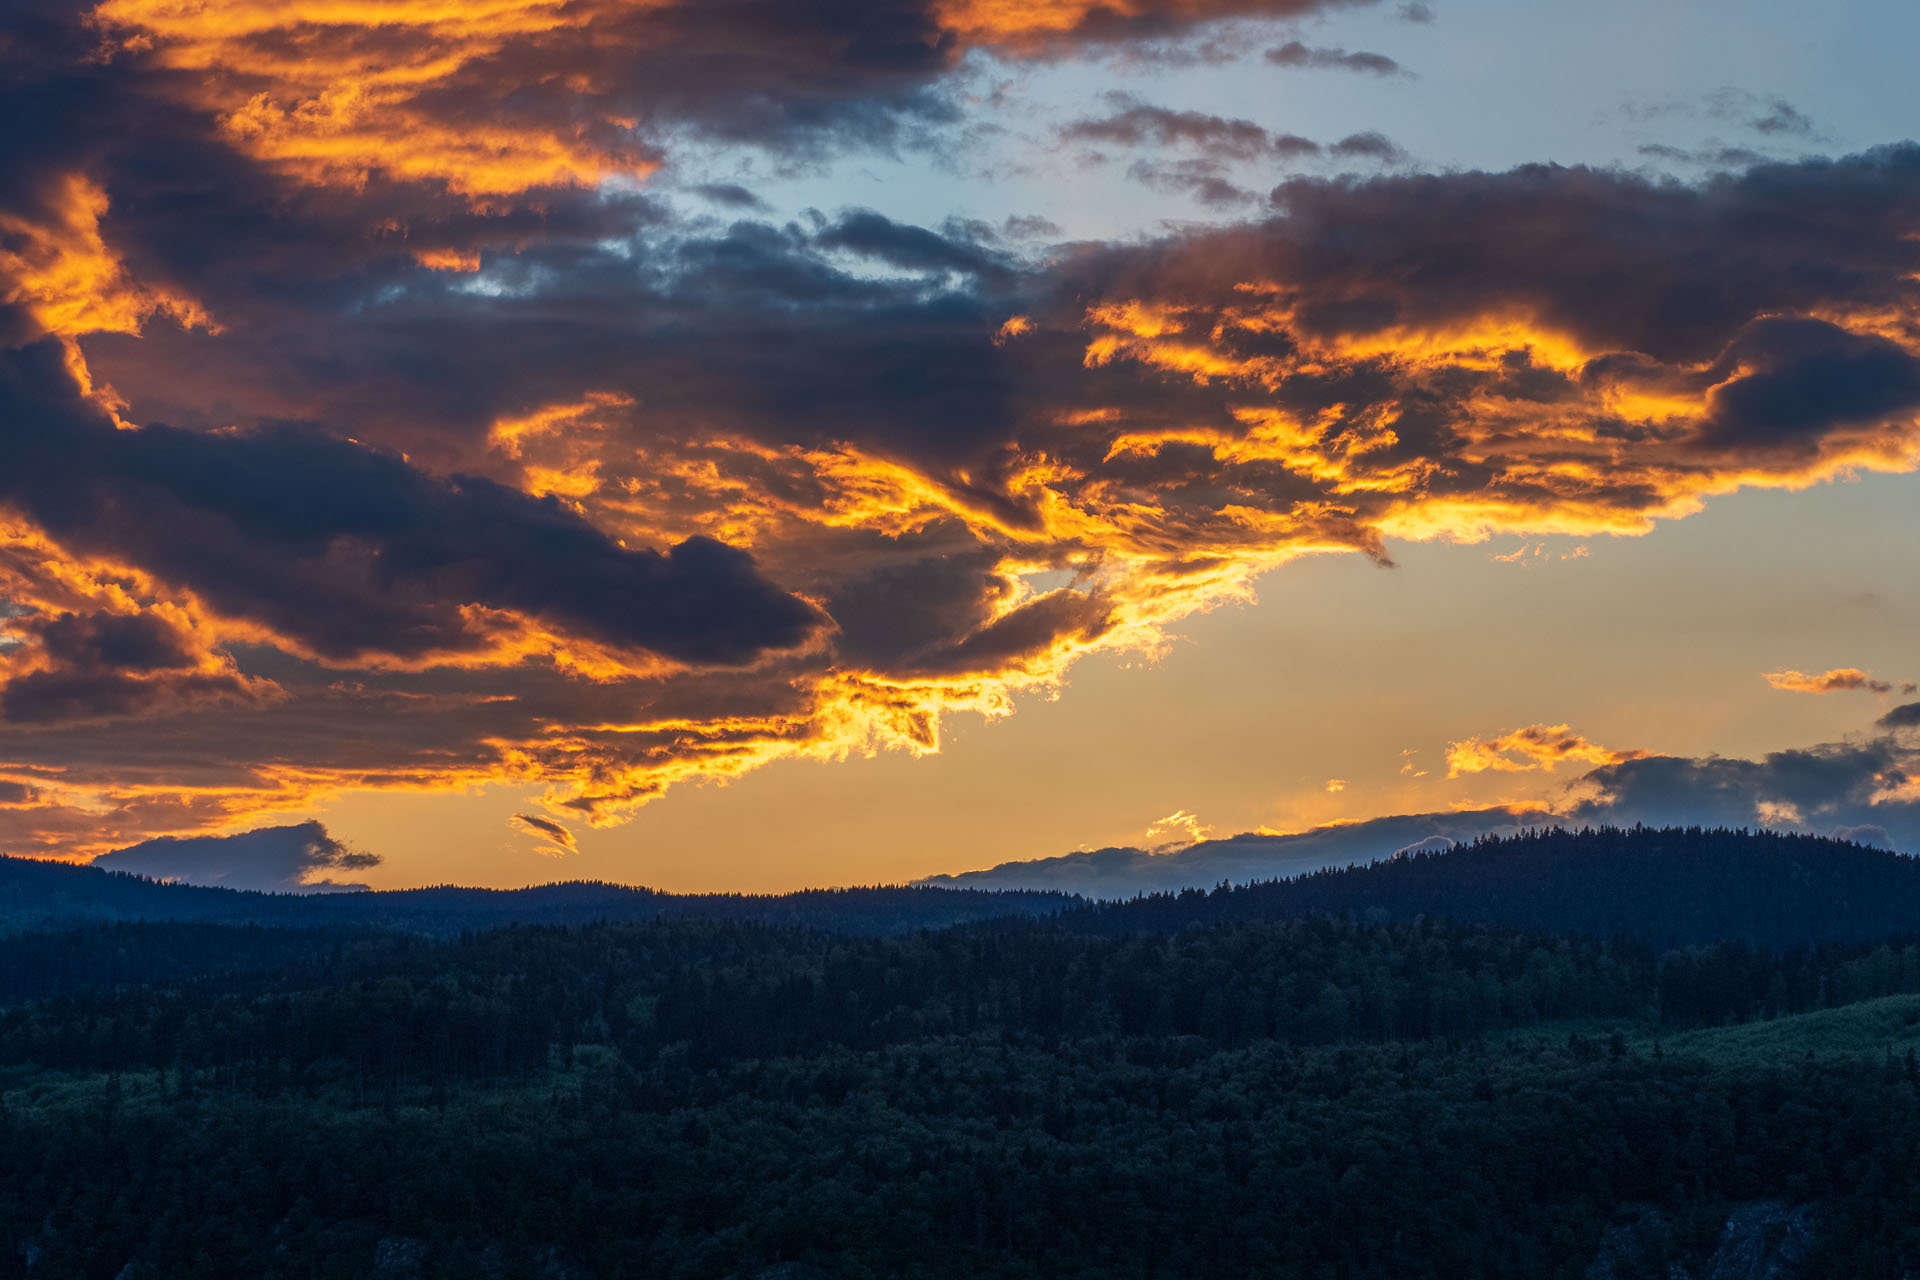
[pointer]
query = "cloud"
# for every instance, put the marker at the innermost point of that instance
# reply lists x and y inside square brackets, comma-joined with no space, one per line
[1712,157]
[496,101]
[1902,717]
[1221,142]
[1868,783]
[1770,116]
[1537,746]
[1839,678]
[1781,117]
[1295,54]
[271,859]
[1785,383]
[909,248]
[1860,791]
[556,835]
[110,665]
[350,553]
[558,489]
[1134,123]
[1205,180]
[1368,146]
[730,195]
[1185,828]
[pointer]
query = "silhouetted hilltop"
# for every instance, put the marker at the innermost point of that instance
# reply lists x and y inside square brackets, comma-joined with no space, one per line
[1667,886]
[51,895]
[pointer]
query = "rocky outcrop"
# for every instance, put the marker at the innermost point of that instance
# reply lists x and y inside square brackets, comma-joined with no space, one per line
[1761,1240]
[1765,1240]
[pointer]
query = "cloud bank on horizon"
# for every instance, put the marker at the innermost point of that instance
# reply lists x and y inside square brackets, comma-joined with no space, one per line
[353,372]
[1865,791]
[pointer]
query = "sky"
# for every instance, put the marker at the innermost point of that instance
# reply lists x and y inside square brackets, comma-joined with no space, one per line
[750,445]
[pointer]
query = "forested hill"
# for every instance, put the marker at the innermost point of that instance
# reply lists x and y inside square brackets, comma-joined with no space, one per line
[1667,887]
[50,895]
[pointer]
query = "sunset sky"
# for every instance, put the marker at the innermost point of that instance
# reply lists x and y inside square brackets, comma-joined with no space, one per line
[753,444]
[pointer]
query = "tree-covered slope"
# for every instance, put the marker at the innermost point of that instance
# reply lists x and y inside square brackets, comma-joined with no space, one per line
[1667,887]
[38,895]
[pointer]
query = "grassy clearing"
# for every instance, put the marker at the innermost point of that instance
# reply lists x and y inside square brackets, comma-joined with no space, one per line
[1871,1028]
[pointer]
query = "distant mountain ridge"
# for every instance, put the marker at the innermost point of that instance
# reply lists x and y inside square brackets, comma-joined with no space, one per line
[1668,887]
[50,895]
[1124,872]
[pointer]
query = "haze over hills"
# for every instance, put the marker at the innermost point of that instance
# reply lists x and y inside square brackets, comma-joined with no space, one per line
[1125,872]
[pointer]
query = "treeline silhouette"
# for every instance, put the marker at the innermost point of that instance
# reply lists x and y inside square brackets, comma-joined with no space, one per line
[1671,886]
[42,895]
[1667,887]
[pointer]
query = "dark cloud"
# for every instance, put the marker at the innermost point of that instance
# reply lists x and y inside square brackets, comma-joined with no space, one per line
[104,665]
[1415,12]
[290,859]
[910,248]
[1368,146]
[16,793]
[1788,380]
[1204,180]
[553,833]
[731,195]
[607,85]
[1030,227]
[1138,124]
[1902,717]
[1134,123]
[1028,631]
[1706,157]
[352,552]
[1781,117]
[40,697]
[1849,784]
[126,641]
[897,420]
[1771,116]
[1295,54]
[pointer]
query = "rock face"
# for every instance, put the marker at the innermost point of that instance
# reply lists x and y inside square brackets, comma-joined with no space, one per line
[1641,1247]
[396,1257]
[1762,1240]
[1765,1240]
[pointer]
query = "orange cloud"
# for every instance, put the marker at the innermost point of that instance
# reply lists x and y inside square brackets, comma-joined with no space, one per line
[554,835]
[1839,678]
[1537,746]
[337,92]
[60,270]
[1146,453]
